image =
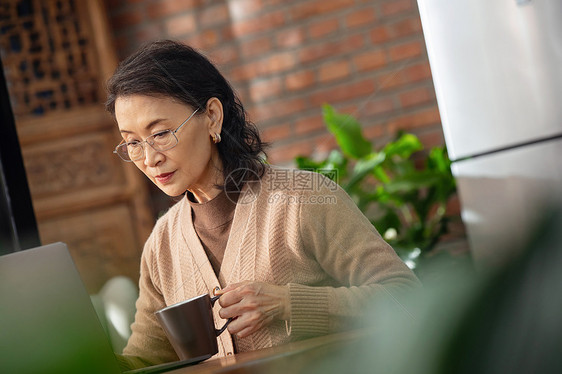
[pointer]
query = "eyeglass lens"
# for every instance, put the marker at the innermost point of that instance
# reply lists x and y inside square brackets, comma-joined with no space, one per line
[161,141]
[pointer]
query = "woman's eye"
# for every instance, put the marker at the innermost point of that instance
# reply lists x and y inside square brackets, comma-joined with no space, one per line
[160,134]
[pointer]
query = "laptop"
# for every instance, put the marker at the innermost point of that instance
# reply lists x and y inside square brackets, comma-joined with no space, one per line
[48,324]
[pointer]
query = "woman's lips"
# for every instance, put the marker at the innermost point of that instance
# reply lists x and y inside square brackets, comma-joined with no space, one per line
[164,178]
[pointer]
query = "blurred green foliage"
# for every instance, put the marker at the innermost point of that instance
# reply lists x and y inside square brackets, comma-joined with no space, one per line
[404,201]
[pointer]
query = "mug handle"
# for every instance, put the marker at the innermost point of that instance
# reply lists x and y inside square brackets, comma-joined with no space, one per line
[218,332]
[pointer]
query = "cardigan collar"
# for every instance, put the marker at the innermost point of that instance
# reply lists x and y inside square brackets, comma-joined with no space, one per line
[244,215]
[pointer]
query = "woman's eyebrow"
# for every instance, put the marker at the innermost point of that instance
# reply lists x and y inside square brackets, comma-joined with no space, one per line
[147,127]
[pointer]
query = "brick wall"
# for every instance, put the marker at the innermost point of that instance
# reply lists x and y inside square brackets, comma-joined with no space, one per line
[286,58]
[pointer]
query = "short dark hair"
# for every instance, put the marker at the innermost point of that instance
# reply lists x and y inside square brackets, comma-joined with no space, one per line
[172,69]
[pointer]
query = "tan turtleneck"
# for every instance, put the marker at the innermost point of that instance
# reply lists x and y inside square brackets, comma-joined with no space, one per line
[212,221]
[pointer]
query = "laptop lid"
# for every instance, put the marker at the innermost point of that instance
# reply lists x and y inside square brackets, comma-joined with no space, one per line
[47,321]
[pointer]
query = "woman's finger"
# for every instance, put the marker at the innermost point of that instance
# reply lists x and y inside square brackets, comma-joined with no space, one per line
[230,297]
[230,287]
[246,332]
[230,294]
[246,324]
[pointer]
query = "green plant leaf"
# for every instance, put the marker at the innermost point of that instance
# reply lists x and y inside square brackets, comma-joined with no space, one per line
[412,182]
[387,185]
[380,174]
[306,163]
[336,160]
[347,132]
[335,166]
[404,146]
[438,159]
[363,167]
[389,220]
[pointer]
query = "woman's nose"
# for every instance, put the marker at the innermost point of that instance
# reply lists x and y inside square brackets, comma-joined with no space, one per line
[151,156]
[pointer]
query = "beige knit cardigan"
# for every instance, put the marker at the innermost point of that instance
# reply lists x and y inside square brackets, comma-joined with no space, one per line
[293,228]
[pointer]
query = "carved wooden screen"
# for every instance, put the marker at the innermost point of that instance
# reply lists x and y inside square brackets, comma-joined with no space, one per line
[57,56]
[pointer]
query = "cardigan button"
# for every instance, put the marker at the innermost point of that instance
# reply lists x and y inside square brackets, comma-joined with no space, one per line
[229,353]
[215,290]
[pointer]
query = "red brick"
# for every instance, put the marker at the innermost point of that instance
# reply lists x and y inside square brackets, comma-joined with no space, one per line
[180,25]
[424,118]
[406,27]
[242,9]
[204,40]
[269,21]
[276,63]
[127,19]
[277,109]
[244,72]
[309,124]
[333,71]
[320,51]
[275,133]
[431,137]
[404,75]
[299,80]
[255,47]
[391,80]
[274,3]
[266,88]
[325,143]
[454,203]
[415,96]
[244,96]
[288,152]
[149,32]
[317,7]
[373,132]
[380,35]
[323,28]
[226,33]
[213,15]
[163,8]
[360,17]
[292,37]
[351,109]
[343,92]
[370,60]
[406,50]
[378,106]
[224,55]
[418,72]
[393,7]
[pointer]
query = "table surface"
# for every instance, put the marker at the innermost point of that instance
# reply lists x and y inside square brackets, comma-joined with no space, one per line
[290,358]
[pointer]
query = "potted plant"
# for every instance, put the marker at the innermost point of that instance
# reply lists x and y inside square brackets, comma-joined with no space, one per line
[404,201]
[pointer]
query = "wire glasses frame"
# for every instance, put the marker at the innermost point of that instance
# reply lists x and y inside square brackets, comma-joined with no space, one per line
[160,142]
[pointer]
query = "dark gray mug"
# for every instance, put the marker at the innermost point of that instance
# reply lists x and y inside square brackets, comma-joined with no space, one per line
[190,327]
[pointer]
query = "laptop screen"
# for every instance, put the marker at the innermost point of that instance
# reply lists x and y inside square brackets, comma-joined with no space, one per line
[47,322]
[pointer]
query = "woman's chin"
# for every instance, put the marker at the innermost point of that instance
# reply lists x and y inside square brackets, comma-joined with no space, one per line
[171,190]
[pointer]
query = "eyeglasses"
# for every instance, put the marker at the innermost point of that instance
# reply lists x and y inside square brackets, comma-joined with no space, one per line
[160,142]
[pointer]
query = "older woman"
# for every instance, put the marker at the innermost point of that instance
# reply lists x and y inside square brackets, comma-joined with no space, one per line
[289,251]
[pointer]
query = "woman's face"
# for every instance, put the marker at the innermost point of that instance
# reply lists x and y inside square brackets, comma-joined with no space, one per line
[193,164]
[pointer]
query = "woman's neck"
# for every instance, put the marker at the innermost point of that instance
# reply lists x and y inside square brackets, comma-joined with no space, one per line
[212,182]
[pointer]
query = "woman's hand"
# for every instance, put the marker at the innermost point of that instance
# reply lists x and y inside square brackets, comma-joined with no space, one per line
[253,305]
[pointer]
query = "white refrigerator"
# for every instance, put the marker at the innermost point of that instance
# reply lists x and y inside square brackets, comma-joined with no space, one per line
[497,71]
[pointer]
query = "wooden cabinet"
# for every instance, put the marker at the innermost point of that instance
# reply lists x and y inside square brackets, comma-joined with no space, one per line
[57,56]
